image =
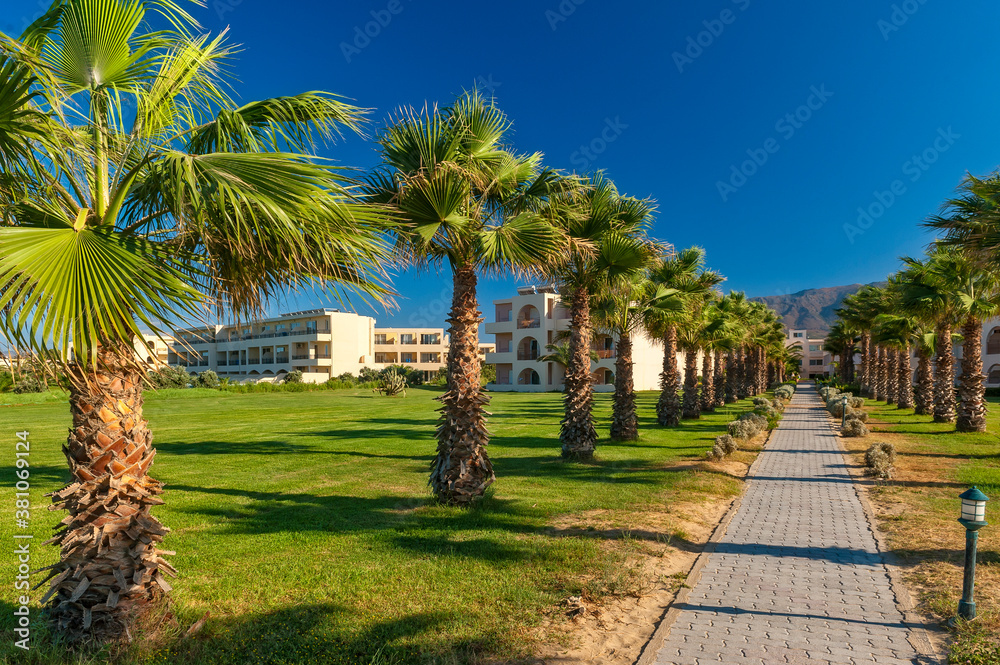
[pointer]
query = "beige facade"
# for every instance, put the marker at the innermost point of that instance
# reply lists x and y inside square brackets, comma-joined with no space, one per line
[321,343]
[424,349]
[525,324]
[815,362]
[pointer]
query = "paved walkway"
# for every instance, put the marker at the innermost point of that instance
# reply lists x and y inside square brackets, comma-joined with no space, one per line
[797,578]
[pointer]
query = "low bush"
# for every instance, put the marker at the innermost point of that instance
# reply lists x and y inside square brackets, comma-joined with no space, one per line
[743,429]
[854,428]
[169,377]
[29,383]
[295,376]
[879,460]
[207,379]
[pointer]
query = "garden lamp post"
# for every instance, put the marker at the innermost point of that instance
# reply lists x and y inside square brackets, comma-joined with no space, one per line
[973,519]
[843,412]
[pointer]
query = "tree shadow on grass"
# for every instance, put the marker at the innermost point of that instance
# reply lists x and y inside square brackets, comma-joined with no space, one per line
[325,633]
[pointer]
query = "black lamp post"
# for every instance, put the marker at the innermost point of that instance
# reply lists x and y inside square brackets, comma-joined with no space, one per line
[973,519]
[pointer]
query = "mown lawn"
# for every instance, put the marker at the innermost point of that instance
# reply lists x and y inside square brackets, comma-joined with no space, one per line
[303,523]
[918,510]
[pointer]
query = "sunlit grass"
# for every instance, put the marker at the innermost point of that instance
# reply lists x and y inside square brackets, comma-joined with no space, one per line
[303,522]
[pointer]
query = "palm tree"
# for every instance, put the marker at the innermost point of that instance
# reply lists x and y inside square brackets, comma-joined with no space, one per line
[977,292]
[923,391]
[897,333]
[930,289]
[859,312]
[115,220]
[560,354]
[466,199]
[607,247]
[734,307]
[622,313]
[679,271]
[840,341]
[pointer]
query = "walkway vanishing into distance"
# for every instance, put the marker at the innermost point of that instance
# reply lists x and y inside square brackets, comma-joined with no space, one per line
[797,577]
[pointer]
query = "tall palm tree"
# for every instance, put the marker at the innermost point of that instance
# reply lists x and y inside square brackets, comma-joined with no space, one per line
[859,312]
[608,247]
[977,293]
[116,219]
[622,313]
[897,333]
[466,199]
[681,271]
[923,391]
[840,341]
[734,307]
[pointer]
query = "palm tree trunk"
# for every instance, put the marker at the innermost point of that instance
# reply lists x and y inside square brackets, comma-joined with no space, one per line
[577,432]
[923,395]
[904,381]
[944,376]
[110,569]
[707,383]
[690,408]
[462,470]
[972,407]
[878,369]
[891,376]
[624,420]
[742,372]
[863,372]
[668,406]
[732,368]
[720,381]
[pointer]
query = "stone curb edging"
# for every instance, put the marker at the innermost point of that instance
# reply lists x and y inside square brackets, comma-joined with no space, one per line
[919,634]
[659,636]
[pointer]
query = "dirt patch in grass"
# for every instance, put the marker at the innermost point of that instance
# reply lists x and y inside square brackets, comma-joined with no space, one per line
[917,511]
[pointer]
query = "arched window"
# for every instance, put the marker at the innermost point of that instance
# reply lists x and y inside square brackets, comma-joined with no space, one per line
[993,342]
[993,378]
[529,377]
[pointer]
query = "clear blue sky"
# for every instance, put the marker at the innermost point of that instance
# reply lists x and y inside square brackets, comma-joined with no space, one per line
[887,92]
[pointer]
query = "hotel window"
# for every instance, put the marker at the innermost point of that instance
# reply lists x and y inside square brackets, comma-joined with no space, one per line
[816,363]
[429,339]
[297,324]
[380,338]
[796,334]
[407,338]
[814,347]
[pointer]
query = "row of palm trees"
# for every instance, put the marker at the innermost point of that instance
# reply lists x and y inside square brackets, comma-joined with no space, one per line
[926,308]
[135,193]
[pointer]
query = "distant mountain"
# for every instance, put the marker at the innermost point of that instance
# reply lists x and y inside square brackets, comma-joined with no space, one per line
[812,309]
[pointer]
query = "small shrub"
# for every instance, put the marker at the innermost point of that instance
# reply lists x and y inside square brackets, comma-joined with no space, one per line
[346,377]
[743,429]
[857,402]
[295,376]
[761,401]
[391,383]
[207,379]
[716,453]
[369,374]
[727,443]
[879,460]
[30,383]
[170,377]
[854,428]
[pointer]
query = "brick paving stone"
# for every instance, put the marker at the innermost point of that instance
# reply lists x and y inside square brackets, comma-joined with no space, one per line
[798,577]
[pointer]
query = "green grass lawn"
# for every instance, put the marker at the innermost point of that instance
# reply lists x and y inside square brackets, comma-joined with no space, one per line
[919,508]
[303,522]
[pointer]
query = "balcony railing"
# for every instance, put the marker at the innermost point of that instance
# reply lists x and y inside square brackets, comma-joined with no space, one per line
[605,353]
[527,355]
[203,363]
[386,341]
[305,357]
[528,323]
[504,317]
[323,356]
[282,359]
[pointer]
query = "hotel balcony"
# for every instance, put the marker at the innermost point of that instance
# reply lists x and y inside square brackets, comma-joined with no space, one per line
[528,323]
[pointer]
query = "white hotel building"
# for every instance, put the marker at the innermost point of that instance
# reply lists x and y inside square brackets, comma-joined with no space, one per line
[320,343]
[525,324]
